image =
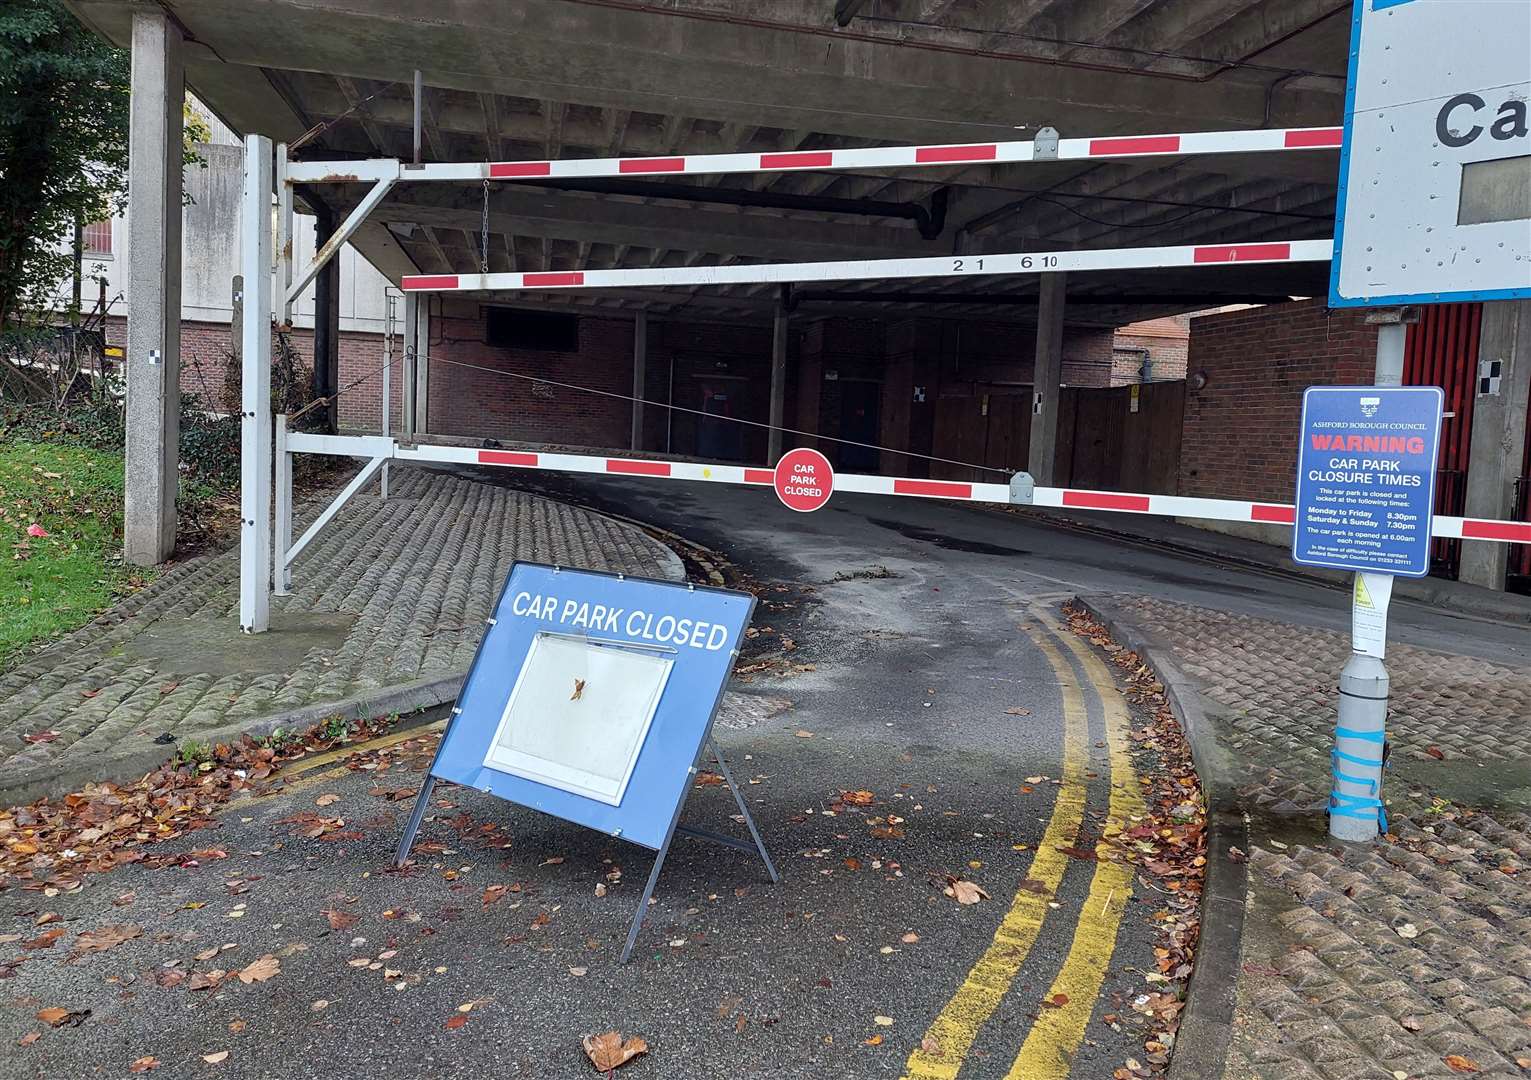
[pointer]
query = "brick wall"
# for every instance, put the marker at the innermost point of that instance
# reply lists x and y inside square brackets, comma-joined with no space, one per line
[1166,340]
[205,352]
[1240,434]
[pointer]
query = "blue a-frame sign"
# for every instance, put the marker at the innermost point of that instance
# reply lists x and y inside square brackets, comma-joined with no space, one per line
[592,698]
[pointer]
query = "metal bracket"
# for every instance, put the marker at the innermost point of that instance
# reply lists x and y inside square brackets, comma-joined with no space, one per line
[1044,147]
[1022,489]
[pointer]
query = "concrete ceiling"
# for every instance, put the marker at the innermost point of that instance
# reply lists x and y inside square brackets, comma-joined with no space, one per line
[539,79]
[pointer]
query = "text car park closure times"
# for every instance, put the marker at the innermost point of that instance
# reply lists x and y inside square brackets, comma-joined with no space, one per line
[1366,478]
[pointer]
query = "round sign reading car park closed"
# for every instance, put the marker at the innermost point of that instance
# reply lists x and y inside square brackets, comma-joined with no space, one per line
[804,479]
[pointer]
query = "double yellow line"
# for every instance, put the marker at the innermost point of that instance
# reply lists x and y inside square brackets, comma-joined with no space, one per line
[1058,1030]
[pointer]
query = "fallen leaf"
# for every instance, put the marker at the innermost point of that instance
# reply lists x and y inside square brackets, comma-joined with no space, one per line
[213,1059]
[708,779]
[260,970]
[1017,712]
[29,1038]
[455,1021]
[1032,885]
[552,861]
[608,1051]
[44,940]
[58,1017]
[40,737]
[144,1064]
[910,938]
[857,798]
[37,530]
[326,799]
[320,1005]
[1407,930]
[883,1021]
[104,938]
[494,894]
[930,1044]
[875,1040]
[340,920]
[1435,752]
[1057,1001]
[1458,1063]
[236,1026]
[801,734]
[578,970]
[966,892]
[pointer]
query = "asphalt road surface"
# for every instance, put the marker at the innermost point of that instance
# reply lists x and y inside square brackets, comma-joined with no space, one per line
[930,669]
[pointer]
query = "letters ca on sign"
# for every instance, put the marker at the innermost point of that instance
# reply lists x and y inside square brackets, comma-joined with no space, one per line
[1464,119]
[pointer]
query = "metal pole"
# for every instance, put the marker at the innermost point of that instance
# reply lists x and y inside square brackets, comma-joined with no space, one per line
[281,574]
[419,101]
[1356,811]
[640,373]
[388,327]
[411,344]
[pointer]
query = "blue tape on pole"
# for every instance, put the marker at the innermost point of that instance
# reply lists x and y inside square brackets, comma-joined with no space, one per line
[1375,763]
[695,630]
[1362,736]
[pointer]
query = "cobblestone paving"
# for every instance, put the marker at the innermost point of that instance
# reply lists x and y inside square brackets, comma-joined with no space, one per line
[1276,682]
[1408,958]
[398,591]
[1401,959]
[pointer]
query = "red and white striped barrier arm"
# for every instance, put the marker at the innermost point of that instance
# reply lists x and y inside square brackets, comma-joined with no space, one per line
[1035,262]
[1263,140]
[1509,532]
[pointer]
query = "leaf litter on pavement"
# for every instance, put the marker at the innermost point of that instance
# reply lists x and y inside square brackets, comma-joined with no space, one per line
[1169,847]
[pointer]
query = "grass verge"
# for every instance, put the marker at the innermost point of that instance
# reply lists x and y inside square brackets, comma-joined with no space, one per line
[61,531]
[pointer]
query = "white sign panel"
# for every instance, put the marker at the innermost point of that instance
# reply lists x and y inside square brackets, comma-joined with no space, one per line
[1435,174]
[579,714]
[1369,601]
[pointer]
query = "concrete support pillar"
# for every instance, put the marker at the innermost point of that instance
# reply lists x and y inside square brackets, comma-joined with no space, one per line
[640,374]
[326,377]
[411,361]
[154,289]
[1499,432]
[420,421]
[255,389]
[1047,381]
[778,378]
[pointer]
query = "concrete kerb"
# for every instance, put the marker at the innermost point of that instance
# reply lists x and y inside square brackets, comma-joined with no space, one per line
[143,755]
[1206,1027]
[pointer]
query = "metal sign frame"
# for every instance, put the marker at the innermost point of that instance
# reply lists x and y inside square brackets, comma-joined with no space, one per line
[513,788]
[1370,13]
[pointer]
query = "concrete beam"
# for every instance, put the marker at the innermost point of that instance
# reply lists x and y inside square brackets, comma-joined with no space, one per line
[726,65]
[154,290]
[1499,433]
[607,219]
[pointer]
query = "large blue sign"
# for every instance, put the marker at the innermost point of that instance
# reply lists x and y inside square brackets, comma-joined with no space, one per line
[1366,478]
[592,695]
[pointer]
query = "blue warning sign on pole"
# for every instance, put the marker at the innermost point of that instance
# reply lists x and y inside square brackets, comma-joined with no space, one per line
[592,698]
[1366,478]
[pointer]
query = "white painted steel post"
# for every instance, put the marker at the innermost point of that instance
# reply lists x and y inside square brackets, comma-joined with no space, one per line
[1356,811]
[281,575]
[255,388]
